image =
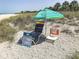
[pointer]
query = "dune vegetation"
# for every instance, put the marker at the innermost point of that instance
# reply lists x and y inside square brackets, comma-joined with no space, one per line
[8,27]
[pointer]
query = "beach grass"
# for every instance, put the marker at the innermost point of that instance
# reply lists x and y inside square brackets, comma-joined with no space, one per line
[23,21]
[71,14]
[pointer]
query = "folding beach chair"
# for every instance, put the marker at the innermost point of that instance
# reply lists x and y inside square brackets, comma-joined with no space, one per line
[37,31]
[26,39]
[54,33]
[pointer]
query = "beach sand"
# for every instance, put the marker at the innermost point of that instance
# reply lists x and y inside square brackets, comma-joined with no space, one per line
[4,16]
[61,49]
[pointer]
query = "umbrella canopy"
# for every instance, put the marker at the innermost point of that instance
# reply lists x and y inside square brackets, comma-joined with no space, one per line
[48,14]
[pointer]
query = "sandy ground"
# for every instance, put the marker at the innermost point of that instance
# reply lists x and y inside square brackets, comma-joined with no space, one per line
[4,16]
[61,49]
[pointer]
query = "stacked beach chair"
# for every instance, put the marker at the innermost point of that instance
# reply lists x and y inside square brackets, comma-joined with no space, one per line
[38,30]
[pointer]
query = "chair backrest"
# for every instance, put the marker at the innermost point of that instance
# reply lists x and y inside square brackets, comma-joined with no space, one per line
[39,26]
[55,31]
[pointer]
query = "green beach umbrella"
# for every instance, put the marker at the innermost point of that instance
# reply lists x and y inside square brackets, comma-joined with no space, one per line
[48,14]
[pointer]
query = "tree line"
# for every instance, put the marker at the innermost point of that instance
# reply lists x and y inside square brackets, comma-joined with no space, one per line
[66,6]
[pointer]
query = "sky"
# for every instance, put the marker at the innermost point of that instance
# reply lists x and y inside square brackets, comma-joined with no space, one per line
[11,6]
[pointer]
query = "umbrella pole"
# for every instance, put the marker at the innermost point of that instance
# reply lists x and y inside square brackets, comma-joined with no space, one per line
[45,26]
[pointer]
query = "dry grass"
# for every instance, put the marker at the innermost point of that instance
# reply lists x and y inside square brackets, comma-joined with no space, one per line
[70,14]
[6,32]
